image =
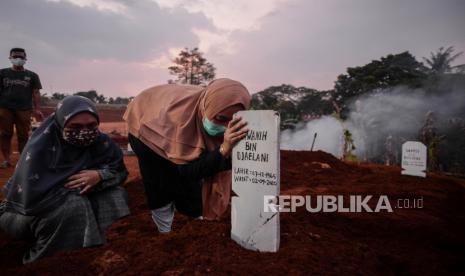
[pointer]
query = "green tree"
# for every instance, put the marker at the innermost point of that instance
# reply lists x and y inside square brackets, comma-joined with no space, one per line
[101,99]
[120,100]
[92,95]
[389,71]
[440,62]
[58,96]
[44,98]
[284,98]
[190,67]
[293,103]
[316,103]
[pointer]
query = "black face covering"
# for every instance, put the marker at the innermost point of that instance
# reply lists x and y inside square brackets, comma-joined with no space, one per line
[81,137]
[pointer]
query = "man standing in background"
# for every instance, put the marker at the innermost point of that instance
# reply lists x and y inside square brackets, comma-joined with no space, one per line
[19,100]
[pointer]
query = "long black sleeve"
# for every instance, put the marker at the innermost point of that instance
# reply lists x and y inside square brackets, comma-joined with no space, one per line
[208,164]
[112,177]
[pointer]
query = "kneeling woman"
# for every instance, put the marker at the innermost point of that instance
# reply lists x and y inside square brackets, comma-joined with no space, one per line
[66,189]
[183,136]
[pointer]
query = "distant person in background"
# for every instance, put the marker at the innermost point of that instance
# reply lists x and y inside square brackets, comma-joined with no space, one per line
[66,188]
[183,136]
[19,99]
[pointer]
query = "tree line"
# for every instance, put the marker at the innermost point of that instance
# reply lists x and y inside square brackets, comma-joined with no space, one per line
[434,74]
[190,67]
[91,94]
[297,104]
[300,103]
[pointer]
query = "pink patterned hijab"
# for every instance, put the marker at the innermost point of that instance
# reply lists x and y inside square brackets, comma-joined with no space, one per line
[168,119]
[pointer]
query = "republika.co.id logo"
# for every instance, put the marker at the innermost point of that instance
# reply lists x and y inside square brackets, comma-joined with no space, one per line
[339,203]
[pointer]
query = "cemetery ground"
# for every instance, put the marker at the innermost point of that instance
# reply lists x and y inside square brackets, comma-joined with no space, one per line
[430,240]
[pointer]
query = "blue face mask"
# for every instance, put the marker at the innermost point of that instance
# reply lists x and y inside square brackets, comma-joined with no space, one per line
[213,129]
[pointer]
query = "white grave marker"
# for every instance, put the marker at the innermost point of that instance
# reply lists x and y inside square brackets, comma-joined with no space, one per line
[414,159]
[255,167]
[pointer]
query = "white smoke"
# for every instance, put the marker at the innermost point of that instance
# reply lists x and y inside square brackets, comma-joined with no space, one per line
[329,138]
[399,112]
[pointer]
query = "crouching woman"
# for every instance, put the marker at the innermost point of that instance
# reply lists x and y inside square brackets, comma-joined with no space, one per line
[66,189]
[183,136]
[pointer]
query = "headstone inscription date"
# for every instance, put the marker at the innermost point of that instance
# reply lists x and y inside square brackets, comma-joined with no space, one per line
[255,165]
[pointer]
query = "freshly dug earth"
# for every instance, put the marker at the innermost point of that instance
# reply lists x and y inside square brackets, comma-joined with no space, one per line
[430,240]
[108,113]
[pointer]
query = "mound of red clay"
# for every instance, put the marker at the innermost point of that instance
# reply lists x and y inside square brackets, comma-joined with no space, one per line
[108,113]
[119,139]
[430,240]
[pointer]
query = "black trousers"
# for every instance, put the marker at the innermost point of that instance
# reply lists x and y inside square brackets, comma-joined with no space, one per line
[163,183]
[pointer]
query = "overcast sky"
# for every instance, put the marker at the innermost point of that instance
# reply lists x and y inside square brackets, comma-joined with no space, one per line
[120,47]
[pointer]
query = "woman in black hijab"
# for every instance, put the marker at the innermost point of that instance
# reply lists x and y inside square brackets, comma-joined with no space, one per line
[66,189]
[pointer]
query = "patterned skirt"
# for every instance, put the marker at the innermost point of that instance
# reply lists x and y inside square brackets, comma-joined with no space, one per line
[79,222]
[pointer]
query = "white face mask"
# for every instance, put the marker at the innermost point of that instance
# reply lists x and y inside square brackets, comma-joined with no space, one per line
[17,61]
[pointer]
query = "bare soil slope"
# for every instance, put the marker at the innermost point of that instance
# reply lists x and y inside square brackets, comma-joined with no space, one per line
[430,240]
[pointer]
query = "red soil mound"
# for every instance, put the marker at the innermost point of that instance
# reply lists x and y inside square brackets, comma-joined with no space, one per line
[430,240]
[119,139]
[106,113]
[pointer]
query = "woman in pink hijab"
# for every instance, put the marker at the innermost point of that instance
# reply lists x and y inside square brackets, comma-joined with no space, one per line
[183,136]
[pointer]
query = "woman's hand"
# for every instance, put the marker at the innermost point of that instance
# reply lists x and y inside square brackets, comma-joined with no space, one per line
[85,180]
[233,134]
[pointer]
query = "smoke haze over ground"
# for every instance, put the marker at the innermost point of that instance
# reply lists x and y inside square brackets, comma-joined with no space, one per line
[329,138]
[399,112]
